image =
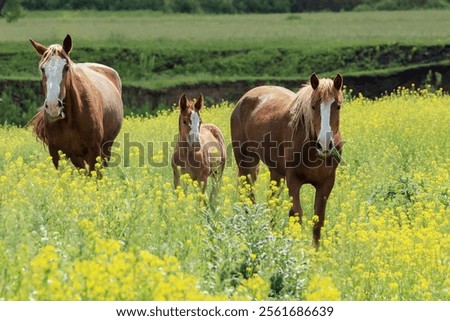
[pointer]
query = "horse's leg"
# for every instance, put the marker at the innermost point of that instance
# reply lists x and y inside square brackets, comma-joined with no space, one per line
[106,152]
[250,174]
[176,177]
[54,154]
[91,157]
[294,184]
[274,177]
[200,174]
[176,168]
[216,183]
[78,162]
[247,167]
[203,182]
[320,203]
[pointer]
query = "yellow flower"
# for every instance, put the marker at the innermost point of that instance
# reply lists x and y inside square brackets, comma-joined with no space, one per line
[322,289]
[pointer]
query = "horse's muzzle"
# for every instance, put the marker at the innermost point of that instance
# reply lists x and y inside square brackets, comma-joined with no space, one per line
[325,149]
[194,141]
[54,112]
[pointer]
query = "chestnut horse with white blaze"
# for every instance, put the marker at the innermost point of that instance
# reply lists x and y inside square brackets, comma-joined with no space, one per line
[200,149]
[295,134]
[83,110]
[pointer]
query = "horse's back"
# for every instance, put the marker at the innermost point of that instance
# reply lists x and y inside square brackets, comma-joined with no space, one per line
[212,138]
[214,131]
[261,97]
[213,143]
[107,72]
[261,110]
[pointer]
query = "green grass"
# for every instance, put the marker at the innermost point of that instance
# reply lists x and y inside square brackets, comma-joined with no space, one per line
[197,48]
[307,30]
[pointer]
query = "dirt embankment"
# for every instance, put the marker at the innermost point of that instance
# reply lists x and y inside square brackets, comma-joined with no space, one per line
[369,85]
[141,100]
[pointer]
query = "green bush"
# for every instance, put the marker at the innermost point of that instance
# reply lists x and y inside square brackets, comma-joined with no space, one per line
[17,111]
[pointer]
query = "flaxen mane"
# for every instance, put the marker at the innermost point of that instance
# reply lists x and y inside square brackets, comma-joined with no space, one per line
[301,109]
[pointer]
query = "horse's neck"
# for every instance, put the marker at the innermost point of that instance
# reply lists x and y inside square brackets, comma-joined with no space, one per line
[299,135]
[73,101]
[184,147]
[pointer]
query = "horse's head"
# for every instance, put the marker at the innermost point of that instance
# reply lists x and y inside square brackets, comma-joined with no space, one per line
[190,121]
[55,66]
[326,101]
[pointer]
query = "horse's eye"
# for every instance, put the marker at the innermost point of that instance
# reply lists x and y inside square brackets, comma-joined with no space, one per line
[338,107]
[184,122]
[43,70]
[66,67]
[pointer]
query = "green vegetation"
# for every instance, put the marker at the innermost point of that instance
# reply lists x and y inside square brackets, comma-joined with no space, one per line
[11,10]
[304,30]
[157,51]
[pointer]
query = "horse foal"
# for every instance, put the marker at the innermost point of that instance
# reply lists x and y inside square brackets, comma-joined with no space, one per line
[200,149]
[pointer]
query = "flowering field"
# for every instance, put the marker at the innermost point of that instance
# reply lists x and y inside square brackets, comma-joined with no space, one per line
[130,236]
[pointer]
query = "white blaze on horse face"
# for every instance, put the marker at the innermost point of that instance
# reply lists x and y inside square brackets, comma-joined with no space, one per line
[325,135]
[53,72]
[194,133]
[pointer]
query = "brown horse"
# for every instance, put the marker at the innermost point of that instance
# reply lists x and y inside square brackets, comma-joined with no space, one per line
[295,135]
[83,110]
[200,149]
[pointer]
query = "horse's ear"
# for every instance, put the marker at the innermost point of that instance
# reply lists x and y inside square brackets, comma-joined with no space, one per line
[314,81]
[338,81]
[39,48]
[199,102]
[182,102]
[67,44]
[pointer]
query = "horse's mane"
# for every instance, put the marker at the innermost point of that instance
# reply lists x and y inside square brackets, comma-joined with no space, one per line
[37,122]
[301,111]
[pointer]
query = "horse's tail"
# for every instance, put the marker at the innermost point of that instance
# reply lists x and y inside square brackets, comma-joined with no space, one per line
[37,122]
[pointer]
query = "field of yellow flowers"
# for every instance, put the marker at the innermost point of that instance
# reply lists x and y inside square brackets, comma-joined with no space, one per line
[130,236]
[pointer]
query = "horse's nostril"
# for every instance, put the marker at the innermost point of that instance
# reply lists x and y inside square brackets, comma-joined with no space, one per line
[331,145]
[319,147]
[60,104]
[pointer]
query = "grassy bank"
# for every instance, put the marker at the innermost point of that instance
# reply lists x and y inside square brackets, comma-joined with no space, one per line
[311,30]
[157,50]
[163,52]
